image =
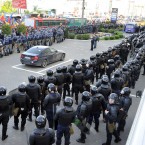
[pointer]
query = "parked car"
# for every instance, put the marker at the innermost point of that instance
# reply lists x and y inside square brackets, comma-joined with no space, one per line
[41,56]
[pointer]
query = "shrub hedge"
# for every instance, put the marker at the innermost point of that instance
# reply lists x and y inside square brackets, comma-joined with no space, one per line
[71,36]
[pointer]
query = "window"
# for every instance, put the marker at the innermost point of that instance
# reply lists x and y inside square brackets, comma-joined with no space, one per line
[35,50]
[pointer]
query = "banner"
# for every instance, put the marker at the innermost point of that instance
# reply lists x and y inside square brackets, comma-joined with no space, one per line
[21,4]
[114,15]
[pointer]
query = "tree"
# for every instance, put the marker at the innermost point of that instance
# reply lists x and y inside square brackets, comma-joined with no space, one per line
[6,29]
[22,28]
[53,11]
[7,7]
[27,12]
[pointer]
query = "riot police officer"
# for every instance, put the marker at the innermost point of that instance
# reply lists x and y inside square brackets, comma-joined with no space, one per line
[77,82]
[34,92]
[49,79]
[98,102]
[41,135]
[125,103]
[83,111]
[50,102]
[40,81]
[21,103]
[117,83]
[59,79]
[4,111]
[65,117]
[111,118]
[67,81]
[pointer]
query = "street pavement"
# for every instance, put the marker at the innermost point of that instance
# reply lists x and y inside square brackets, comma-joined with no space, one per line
[13,73]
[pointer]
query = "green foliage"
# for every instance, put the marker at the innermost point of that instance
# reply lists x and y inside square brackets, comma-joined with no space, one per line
[112,37]
[85,36]
[7,7]
[121,35]
[71,35]
[111,31]
[79,36]
[106,30]
[106,38]
[102,30]
[53,11]
[116,36]
[66,33]
[22,28]
[6,29]
[27,12]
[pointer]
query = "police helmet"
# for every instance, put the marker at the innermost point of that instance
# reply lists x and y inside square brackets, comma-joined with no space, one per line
[51,87]
[31,79]
[117,57]
[75,62]
[93,89]
[85,96]
[3,91]
[110,61]
[83,62]
[125,91]
[40,80]
[58,69]
[105,80]
[64,69]
[92,57]
[98,55]
[109,49]
[22,88]
[117,74]
[124,68]
[68,102]
[40,121]
[49,72]
[113,96]
[78,68]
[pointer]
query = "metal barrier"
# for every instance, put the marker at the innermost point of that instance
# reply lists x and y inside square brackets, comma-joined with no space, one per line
[137,132]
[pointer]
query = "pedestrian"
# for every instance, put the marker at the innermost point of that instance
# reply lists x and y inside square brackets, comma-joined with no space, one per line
[96,39]
[41,135]
[92,44]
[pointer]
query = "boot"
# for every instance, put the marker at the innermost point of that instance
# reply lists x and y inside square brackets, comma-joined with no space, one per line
[117,140]
[4,137]
[22,128]
[80,140]
[15,127]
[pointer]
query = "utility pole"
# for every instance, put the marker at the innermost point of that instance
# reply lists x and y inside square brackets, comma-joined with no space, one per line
[83,9]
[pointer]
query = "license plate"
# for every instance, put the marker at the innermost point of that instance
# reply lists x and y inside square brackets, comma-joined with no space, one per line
[27,57]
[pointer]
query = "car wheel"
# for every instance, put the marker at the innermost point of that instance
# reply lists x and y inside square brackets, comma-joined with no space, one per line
[44,63]
[62,57]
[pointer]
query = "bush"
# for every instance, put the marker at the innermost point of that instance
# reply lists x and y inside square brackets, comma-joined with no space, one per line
[71,35]
[112,37]
[116,36]
[106,30]
[102,30]
[120,35]
[106,38]
[66,33]
[79,36]
[22,28]
[6,29]
[85,36]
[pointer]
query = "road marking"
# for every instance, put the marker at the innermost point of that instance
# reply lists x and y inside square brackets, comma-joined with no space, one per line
[17,65]
[55,65]
[27,70]
[133,95]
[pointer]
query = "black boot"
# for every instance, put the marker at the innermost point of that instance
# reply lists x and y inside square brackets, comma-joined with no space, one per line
[117,140]
[16,127]
[4,137]
[80,140]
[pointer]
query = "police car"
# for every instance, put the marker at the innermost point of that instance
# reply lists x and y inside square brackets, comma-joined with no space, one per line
[41,56]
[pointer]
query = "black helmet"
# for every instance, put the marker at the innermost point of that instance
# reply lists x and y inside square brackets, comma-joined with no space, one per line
[110,61]
[125,91]
[40,80]
[40,121]
[92,57]
[110,49]
[113,96]
[3,91]
[124,68]
[64,69]
[116,74]
[105,80]
[85,96]
[22,88]
[98,55]
[51,87]
[117,57]
[68,102]
[49,72]
[31,79]
[75,62]
[93,89]
[78,68]
[58,69]
[83,62]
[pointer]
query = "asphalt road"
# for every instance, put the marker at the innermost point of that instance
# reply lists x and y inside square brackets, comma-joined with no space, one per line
[13,73]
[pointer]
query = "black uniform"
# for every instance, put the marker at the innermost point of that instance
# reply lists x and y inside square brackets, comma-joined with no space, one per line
[42,136]
[34,92]
[21,103]
[4,115]
[50,103]
[64,117]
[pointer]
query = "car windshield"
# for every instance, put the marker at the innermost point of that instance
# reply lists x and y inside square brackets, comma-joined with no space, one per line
[53,50]
[129,26]
[35,50]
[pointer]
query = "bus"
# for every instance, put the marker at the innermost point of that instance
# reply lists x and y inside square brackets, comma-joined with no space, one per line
[44,22]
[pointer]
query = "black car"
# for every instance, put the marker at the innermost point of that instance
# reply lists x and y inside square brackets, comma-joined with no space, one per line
[41,56]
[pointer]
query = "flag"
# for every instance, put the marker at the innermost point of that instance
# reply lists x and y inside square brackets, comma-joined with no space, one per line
[11,17]
[2,17]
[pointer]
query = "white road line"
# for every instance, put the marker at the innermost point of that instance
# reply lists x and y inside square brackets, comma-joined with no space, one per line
[17,65]
[27,70]
[133,95]
[55,65]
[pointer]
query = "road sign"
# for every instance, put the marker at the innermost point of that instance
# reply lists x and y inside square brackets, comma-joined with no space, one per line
[114,15]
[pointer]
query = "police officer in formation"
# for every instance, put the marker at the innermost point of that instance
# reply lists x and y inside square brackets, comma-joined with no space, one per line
[21,102]
[4,111]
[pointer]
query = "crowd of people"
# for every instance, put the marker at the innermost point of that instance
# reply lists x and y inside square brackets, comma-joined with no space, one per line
[99,85]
